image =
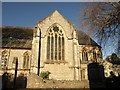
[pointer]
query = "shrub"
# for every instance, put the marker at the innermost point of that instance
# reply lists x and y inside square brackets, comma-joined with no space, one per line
[45,74]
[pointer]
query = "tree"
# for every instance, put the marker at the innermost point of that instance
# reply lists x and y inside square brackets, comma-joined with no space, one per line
[113,58]
[102,20]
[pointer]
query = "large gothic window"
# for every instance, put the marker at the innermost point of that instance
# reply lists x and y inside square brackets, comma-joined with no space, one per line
[26,60]
[55,43]
[84,55]
[4,59]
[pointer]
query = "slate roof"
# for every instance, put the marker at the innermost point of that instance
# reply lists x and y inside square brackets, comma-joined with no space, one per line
[17,37]
[22,37]
[84,39]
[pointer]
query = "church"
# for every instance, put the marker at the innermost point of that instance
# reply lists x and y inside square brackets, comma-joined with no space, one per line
[54,45]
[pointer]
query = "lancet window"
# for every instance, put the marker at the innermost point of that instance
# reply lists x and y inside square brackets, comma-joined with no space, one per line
[94,56]
[26,60]
[84,55]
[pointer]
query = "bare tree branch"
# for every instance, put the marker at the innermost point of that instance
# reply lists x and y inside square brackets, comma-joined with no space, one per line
[102,19]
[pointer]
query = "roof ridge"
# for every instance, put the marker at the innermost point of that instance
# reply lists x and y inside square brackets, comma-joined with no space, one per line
[20,27]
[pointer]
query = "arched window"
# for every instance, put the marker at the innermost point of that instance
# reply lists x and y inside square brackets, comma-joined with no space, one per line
[55,43]
[26,60]
[84,55]
[94,56]
[4,59]
[14,61]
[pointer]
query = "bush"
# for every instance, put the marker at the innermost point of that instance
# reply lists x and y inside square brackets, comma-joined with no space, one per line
[45,74]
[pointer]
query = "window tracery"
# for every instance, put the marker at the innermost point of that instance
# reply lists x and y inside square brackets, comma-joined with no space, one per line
[26,60]
[84,55]
[55,43]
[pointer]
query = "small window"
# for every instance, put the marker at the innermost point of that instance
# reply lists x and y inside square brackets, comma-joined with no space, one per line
[84,55]
[4,59]
[94,56]
[26,60]
[14,60]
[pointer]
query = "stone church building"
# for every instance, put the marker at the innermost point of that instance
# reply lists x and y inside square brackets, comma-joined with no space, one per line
[61,49]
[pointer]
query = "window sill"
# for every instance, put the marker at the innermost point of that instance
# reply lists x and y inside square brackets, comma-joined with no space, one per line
[55,61]
[84,62]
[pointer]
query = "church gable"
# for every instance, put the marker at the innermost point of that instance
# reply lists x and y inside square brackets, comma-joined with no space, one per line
[53,45]
[55,18]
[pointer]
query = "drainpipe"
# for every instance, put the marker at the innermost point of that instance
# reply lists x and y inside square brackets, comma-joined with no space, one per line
[38,72]
[16,66]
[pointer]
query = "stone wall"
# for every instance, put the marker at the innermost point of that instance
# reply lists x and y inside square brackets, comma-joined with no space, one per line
[19,54]
[61,70]
[34,81]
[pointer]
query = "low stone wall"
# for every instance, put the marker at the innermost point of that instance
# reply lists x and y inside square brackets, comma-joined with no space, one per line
[34,81]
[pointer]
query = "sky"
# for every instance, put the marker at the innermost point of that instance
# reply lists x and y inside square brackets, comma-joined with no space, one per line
[60,0]
[26,14]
